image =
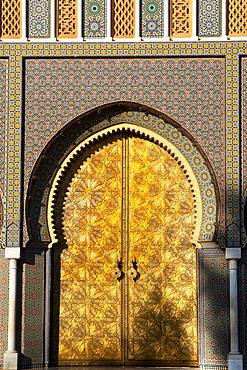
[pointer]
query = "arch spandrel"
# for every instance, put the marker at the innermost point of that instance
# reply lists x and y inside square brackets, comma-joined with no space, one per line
[85,127]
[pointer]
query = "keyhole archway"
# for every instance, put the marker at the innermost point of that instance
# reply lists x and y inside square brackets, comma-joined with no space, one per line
[133,200]
[56,168]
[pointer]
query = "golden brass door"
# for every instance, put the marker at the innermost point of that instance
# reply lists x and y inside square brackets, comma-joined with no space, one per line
[128,292]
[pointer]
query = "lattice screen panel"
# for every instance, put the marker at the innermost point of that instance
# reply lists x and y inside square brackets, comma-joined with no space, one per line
[123,18]
[66,18]
[237,25]
[181,18]
[10,16]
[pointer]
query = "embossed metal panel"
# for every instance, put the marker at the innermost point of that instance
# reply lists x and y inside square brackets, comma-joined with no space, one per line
[162,303]
[90,301]
[128,276]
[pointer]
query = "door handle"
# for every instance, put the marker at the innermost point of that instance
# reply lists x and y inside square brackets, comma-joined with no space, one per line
[120,266]
[134,265]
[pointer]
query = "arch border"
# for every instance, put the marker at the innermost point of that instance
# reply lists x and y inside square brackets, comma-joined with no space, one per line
[91,122]
[144,133]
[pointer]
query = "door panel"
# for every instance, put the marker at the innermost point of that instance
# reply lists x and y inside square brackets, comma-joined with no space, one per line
[161,221]
[130,205]
[90,300]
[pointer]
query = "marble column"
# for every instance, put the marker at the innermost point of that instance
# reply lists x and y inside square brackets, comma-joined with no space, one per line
[11,355]
[235,359]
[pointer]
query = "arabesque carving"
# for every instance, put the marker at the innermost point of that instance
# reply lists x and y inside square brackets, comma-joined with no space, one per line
[237,21]
[66,18]
[10,18]
[181,18]
[123,18]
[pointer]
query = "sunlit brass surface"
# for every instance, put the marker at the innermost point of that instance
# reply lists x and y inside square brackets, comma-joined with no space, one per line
[90,302]
[162,304]
[132,201]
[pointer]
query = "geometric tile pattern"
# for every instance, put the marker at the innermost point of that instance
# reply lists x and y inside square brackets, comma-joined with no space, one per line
[14,150]
[244,133]
[4,302]
[231,51]
[216,309]
[152,18]
[94,18]
[3,114]
[32,306]
[244,117]
[191,91]
[39,15]
[209,18]
[3,130]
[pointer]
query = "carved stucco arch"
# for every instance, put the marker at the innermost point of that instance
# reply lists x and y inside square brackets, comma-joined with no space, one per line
[69,139]
[54,195]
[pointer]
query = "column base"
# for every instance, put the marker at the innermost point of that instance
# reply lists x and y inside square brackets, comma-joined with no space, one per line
[235,361]
[10,360]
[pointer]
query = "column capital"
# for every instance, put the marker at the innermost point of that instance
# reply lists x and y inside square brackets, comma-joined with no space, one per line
[233,253]
[13,252]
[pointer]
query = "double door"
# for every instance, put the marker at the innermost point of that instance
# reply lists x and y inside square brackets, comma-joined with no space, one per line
[128,277]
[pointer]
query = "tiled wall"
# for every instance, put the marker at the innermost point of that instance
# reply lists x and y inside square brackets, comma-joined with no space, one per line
[32,308]
[4,300]
[216,309]
[71,86]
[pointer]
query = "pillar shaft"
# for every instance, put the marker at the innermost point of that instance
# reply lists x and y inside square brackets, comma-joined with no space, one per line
[235,359]
[12,305]
[10,361]
[234,306]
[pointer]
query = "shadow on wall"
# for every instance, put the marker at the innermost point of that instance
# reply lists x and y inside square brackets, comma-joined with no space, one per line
[215,308]
[242,293]
[30,308]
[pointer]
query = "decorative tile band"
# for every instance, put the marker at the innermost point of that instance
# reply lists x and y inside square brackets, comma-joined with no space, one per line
[209,366]
[14,154]
[3,140]
[244,139]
